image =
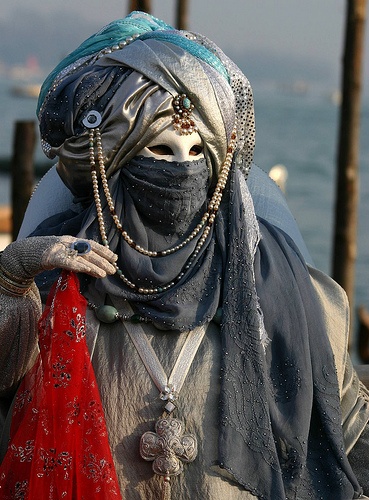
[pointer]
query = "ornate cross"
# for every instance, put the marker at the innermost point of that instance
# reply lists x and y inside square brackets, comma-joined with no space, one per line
[168,447]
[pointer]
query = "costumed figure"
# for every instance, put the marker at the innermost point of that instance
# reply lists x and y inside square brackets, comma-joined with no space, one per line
[186,346]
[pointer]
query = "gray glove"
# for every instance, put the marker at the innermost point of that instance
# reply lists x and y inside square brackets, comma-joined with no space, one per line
[23,259]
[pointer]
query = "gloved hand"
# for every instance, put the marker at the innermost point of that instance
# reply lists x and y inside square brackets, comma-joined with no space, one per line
[25,258]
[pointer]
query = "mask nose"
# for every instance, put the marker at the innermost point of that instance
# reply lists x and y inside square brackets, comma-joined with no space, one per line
[170,145]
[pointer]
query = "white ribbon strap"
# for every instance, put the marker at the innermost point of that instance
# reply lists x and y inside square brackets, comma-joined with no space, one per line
[152,363]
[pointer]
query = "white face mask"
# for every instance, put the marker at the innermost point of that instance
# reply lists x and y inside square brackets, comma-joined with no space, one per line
[171,146]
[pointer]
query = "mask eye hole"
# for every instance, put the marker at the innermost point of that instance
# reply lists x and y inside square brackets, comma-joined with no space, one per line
[161,150]
[196,150]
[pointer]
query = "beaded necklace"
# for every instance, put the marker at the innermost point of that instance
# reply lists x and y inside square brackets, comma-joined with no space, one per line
[203,227]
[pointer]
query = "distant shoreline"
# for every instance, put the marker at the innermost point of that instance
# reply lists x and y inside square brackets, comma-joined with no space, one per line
[5,239]
[5,226]
[5,221]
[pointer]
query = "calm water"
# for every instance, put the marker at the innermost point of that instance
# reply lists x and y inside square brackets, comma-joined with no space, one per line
[299,131]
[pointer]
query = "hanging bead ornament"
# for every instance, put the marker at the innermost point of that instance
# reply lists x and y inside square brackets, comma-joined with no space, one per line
[204,225]
[182,119]
[108,314]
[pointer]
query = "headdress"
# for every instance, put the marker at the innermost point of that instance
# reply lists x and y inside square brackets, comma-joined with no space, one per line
[90,78]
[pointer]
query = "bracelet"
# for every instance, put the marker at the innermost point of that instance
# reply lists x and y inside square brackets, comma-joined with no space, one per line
[15,279]
[12,290]
[13,285]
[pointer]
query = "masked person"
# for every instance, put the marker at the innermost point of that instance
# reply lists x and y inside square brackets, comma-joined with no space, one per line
[217,350]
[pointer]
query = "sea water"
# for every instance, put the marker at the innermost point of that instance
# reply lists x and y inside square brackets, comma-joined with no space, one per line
[301,132]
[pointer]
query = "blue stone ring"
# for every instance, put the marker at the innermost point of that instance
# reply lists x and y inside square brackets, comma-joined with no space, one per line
[81,247]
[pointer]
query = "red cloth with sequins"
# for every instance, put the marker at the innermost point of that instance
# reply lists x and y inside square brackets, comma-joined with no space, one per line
[59,446]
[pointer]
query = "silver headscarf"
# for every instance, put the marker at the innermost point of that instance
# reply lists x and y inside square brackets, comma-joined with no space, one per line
[133,87]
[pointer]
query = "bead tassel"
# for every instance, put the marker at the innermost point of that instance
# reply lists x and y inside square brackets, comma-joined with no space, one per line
[166,491]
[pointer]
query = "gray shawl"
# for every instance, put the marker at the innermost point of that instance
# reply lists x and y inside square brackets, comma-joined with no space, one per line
[279,412]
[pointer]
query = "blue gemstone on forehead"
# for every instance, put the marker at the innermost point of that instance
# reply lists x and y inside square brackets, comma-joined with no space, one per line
[186,103]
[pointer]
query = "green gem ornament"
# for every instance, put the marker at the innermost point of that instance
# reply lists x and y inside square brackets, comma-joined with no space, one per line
[106,314]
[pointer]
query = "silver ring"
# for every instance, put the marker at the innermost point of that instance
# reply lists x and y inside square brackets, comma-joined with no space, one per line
[80,247]
[92,119]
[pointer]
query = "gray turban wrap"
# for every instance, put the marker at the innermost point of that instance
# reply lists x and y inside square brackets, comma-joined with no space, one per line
[133,90]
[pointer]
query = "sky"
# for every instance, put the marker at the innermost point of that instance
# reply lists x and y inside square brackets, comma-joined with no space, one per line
[260,35]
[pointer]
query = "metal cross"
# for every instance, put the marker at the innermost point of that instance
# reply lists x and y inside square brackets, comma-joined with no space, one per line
[168,447]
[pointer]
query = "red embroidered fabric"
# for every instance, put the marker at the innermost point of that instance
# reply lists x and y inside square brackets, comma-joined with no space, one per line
[59,446]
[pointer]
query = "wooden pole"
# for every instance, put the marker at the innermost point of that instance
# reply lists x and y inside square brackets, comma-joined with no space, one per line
[345,227]
[22,174]
[182,15]
[142,5]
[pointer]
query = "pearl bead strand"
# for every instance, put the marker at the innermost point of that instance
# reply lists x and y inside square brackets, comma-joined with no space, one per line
[207,218]
[205,224]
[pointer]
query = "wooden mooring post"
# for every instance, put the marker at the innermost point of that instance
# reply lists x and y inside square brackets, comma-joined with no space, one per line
[182,15]
[347,182]
[182,8]
[22,171]
[142,5]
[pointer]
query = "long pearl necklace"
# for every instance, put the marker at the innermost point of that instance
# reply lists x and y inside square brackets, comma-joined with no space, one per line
[204,226]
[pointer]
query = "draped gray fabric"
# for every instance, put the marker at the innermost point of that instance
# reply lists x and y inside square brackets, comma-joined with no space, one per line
[279,406]
[279,412]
